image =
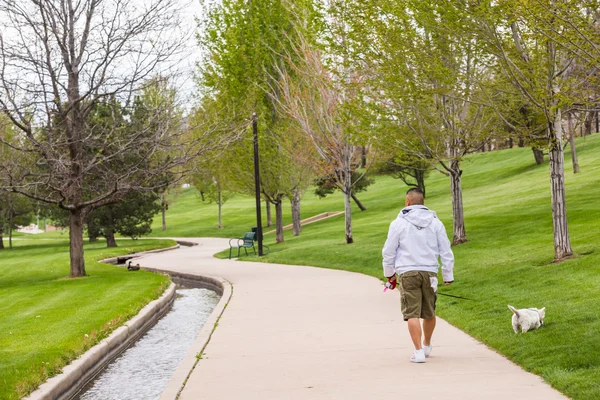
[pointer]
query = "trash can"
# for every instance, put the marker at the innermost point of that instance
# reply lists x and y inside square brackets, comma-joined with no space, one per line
[255,231]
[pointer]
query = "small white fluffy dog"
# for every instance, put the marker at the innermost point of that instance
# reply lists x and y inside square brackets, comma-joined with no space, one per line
[527,318]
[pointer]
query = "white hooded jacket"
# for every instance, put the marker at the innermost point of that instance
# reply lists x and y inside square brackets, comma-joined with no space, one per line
[415,240]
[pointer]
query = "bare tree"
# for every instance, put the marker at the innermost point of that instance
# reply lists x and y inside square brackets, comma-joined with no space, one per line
[304,158]
[313,98]
[61,63]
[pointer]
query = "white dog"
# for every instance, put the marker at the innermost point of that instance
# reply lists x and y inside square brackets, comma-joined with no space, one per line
[527,318]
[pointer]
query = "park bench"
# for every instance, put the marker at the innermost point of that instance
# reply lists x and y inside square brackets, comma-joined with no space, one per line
[243,243]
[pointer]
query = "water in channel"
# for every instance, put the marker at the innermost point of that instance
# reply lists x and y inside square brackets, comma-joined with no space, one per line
[143,370]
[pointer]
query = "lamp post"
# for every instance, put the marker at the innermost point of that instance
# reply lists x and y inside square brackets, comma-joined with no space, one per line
[257,185]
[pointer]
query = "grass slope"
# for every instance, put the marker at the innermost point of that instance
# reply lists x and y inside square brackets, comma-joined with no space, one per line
[508,259]
[47,320]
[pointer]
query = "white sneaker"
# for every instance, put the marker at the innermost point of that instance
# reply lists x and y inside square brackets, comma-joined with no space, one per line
[418,356]
[427,350]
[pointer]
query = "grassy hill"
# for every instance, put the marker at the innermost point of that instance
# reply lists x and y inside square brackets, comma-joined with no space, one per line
[507,260]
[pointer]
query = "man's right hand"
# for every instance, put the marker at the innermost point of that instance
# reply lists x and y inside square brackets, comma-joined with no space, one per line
[392,281]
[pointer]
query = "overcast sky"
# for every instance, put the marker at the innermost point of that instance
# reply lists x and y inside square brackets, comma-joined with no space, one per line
[193,9]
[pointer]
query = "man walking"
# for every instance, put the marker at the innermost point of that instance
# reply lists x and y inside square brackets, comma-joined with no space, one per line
[410,258]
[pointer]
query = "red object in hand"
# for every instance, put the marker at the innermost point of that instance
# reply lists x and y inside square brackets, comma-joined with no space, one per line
[391,283]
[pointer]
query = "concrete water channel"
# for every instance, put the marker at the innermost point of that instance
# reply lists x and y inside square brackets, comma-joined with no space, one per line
[142,359]
[144,369]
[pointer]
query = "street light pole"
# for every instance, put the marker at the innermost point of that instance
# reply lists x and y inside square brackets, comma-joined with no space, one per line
[257,185]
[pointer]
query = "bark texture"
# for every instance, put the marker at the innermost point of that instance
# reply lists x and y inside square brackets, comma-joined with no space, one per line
[587,123]
[269,217]
[538,155]
[358,203]
[295,203]
[460,235]
[110,238]
[76,245]
[10,220]
[562,241]
[220,204]
[279,220]
[572,145]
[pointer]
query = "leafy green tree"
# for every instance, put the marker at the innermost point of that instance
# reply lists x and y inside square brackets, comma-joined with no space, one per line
[15,210]
[326,185]
[540,46]
[245,42]
[409,169]
[423,83]
[210,183]
[131,217]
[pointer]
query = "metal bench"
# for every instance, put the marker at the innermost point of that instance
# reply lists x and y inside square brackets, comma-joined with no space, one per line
[243,243]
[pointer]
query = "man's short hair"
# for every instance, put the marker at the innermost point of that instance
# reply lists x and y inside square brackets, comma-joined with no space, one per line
[415,196]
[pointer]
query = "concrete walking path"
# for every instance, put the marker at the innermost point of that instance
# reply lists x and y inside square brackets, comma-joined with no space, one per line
[292,332]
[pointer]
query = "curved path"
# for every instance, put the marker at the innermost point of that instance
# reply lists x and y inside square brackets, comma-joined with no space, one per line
[292,332]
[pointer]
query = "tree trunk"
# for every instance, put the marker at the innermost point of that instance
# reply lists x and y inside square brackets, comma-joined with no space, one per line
[510,143]
[76,243]
[279,220]
[538,155]
[458,217]
[597,122]
[587,123]
[295,202]
[420,178]
[363,157]
[269,218]
[562,242]
[521,142]
[348,216]
[10,228]
[1,241]
[164,215]
[92,231]
[572,144]
[358,203]
[10,220]
[347,205]
[110,238]
[220,204]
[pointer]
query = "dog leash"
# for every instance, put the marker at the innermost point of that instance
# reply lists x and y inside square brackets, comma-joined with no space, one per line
[456,297]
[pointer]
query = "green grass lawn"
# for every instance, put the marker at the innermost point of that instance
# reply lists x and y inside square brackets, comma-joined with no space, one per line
[47,319]
[507,260]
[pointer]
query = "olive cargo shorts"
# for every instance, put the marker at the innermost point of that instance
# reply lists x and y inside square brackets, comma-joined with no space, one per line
[418,294]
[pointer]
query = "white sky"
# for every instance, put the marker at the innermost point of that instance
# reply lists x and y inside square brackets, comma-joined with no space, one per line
[185,84]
